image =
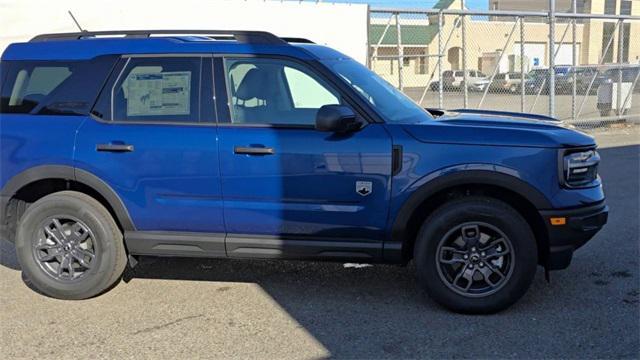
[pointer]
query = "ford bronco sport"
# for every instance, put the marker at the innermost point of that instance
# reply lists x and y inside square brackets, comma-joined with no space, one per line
[241,144]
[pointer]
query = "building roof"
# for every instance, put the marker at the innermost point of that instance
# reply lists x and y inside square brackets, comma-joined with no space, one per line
[443,4]
[411,34]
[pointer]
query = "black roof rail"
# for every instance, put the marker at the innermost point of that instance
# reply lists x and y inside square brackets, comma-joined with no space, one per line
[297,40]
[253,37]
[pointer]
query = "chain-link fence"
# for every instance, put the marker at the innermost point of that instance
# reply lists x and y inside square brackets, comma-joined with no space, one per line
[497,60]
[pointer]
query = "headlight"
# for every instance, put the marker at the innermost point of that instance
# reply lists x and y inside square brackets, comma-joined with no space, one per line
[580,168]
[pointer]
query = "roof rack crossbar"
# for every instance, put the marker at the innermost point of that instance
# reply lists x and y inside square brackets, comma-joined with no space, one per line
[253,37]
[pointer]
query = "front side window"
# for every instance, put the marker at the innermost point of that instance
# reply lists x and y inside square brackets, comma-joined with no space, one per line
[275,92]
[158,89]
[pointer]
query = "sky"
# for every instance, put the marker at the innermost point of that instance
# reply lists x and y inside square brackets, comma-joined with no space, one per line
[471,4]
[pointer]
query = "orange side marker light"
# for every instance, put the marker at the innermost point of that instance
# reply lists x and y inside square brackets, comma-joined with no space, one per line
[557,221]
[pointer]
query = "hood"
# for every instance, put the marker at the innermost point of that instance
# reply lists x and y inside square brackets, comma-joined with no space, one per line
[498,128]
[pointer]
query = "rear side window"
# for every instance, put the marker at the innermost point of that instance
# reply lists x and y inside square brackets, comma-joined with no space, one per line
[157,89]
[53,87]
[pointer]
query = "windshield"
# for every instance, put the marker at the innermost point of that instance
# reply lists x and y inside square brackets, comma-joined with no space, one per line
[391,104]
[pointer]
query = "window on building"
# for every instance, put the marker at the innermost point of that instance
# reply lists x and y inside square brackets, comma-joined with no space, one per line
[610,7]
[625,7]
[607,32]
[626,37]
[421,67]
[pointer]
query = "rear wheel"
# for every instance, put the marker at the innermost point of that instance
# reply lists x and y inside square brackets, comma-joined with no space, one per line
[476,255]
[69,246]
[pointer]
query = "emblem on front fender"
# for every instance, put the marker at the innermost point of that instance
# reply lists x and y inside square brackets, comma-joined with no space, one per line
[364,188]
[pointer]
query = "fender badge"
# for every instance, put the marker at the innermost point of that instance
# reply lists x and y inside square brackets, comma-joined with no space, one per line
[364,188]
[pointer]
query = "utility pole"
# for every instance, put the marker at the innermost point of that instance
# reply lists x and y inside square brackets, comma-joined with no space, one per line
[464,58]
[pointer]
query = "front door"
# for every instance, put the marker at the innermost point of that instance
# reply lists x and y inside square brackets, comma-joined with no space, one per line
[290,190]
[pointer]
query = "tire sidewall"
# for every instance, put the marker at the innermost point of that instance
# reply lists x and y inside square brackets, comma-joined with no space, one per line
[494,213]
[57,205]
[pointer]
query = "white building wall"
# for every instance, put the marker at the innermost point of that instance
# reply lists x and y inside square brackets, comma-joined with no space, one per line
[341,26]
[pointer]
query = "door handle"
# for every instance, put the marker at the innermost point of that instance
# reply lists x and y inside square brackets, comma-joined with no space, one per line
[114,147]
[253,150]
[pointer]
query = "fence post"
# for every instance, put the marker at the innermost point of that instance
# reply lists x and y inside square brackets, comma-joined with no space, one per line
[464,59]
[369,65]
[619,109]
[440,55]
[552,42]
[522,80]
[574,10]
[400,52]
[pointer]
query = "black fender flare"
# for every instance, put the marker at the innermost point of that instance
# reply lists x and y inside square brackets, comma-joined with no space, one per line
[66,172]
[463,177]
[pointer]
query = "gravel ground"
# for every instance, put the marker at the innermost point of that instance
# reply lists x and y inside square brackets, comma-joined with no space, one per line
[195,308]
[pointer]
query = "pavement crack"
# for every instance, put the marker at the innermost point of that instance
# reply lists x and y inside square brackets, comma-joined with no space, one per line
[162,326]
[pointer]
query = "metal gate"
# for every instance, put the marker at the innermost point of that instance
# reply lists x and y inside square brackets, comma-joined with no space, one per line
[582,68]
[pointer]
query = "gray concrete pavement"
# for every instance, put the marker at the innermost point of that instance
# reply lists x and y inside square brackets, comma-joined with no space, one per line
[198,308]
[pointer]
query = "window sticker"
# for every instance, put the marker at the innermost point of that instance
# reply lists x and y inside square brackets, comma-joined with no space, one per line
[167,93]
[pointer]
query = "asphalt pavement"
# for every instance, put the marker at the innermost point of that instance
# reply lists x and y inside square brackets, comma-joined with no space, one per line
[200,308]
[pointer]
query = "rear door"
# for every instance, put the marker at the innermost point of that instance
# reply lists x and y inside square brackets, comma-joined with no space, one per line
[152,138]
[290,190]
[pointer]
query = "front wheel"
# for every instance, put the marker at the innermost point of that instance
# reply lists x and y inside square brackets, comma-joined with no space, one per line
[475,255]
[69,246]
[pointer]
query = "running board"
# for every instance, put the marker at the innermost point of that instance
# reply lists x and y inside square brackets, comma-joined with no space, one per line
[214,245]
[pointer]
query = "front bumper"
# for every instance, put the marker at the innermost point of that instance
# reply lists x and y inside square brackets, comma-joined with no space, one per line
[580,225]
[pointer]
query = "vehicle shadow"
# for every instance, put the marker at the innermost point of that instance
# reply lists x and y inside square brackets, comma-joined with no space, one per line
[8,255]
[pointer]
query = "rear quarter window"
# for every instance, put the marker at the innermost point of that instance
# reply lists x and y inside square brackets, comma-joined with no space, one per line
[52,87]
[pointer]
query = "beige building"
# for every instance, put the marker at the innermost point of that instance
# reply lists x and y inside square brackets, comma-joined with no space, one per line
[487,38]
[582,6]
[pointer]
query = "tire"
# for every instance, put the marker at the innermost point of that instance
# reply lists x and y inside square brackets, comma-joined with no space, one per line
[79,256]
[477,216]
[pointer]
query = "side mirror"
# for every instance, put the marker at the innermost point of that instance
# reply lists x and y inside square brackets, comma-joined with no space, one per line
[336,118]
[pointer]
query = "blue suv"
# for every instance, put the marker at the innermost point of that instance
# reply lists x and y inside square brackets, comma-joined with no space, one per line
[241,144]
